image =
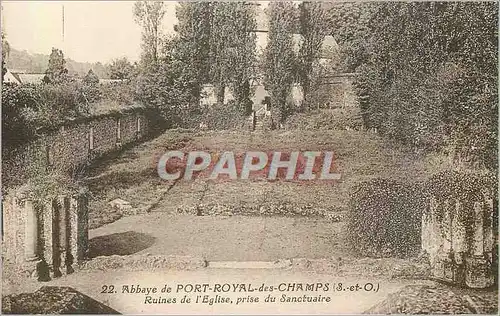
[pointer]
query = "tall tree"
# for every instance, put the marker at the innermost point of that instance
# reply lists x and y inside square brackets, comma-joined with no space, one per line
[279,57]
[429,77]
[232,49]
[90,88]
[120,68]
[351,22]
[313,30]
[56,71]
[149,15]
[91,78]
[243,55]
[192,43]
[220,43]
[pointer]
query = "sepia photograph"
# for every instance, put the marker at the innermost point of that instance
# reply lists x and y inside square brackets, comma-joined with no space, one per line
[249,157]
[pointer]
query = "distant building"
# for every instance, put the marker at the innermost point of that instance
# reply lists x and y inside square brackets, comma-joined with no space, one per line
[20,77]
[329,51]
[209,97]
[329,48]
[110,81]
[11,77]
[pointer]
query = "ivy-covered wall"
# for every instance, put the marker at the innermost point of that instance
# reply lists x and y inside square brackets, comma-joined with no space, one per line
[72,146]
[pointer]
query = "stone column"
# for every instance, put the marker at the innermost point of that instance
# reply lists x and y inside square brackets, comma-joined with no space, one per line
[62,232]
[426,231]
[478,233]
[30,232]
[83,227]
[459,243]
[478,269]
[8,240]
[48,247]
[430,236]
[444,265]
[138,132]
[56,236]
[489,239]
[72,220]
[118,132]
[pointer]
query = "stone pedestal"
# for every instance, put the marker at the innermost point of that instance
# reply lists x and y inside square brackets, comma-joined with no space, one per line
[45,239]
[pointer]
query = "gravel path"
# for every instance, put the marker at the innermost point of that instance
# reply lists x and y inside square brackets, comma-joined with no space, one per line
[220,238]
[352,302]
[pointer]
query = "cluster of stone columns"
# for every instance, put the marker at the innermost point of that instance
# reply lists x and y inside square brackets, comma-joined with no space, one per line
[460,236]
[45,239]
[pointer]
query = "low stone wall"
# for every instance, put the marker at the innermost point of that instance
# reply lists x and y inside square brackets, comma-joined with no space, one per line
[44,239]
[72,145]
[460,235]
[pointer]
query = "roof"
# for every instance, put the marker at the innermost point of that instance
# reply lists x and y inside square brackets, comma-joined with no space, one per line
[108,81]
[22,77]
[16,76]
[31,78]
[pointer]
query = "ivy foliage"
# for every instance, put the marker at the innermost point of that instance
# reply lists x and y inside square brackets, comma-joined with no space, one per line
[212,45]
[56,71]
[385,218]
[313,27]
[280,61]
[427,73]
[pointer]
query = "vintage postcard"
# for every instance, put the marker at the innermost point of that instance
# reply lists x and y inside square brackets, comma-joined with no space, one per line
[249,157]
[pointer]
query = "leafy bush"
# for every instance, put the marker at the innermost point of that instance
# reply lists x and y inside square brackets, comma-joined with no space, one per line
[64,101]
[26,108]
[222,117]
[170,88]
[467,187]
[17,101]
[121,92]
[428,74]
[385,218]
[334,119]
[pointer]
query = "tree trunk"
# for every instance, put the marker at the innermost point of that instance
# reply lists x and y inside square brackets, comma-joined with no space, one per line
[243,98]
[220,90]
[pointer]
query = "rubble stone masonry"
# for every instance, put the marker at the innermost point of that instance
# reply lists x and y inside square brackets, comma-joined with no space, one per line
[45,239]
[460,235]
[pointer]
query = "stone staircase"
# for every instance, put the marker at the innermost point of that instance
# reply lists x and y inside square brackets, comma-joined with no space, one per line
[259,120]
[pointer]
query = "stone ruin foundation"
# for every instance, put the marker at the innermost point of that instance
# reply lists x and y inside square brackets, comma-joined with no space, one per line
[460,235]
[44,239]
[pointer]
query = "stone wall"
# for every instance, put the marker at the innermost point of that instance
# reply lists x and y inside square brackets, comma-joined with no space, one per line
[45,238]
[460,235]
[259,94]
[72,145]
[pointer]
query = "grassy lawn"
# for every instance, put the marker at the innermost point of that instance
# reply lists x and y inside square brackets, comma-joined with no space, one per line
[359,156]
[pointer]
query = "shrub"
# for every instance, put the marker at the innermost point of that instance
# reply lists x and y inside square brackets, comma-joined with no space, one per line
[335,119]
[385,218]
[66,100]
[121,92]
[466,187]
[430,92]
[223,117]
[17,101]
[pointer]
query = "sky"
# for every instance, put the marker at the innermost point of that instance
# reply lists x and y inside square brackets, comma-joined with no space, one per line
[93,30]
